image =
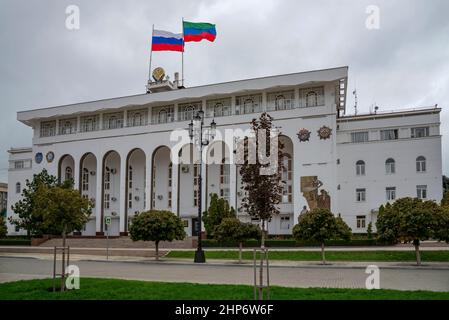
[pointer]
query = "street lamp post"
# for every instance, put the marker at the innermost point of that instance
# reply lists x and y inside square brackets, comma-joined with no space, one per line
[196,131]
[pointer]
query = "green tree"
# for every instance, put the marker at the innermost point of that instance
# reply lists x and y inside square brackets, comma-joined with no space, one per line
[25,218]
[445,200]
[369,230]
[63,210]
[442,224]
[445,184]
[218,210]
[232,229]
[157,225]
[321,225]
[410,220]
[262,179]
[3,228]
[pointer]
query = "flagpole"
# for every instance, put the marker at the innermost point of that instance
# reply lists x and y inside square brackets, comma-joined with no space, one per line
[151,54]
[182,55]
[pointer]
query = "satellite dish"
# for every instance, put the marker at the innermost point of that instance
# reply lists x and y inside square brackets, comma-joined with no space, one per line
[158,74]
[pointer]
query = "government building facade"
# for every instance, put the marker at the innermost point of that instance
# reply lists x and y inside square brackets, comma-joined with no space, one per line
[123,155]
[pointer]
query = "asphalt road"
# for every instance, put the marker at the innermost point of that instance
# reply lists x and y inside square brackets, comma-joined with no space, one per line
[14,268]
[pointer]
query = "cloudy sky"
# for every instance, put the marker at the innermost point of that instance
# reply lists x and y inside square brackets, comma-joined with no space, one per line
[403,64]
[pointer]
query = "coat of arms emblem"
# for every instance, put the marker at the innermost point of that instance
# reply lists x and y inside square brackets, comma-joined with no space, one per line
[324,132]
[303,135]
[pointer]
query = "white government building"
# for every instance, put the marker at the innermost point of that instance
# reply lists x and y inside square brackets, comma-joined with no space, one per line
[118,151]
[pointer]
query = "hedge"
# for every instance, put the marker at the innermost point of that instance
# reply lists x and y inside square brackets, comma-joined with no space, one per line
[15,242]
[210,243]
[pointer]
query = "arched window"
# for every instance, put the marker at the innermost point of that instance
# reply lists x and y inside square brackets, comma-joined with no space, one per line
[68,173]
[189,112]
[85,182]
[18,187]
[311,99]
[390,166]
[287,179]
[360,168]
[420,164]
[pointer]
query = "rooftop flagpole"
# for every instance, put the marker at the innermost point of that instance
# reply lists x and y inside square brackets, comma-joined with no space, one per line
[151,54]
[182,55]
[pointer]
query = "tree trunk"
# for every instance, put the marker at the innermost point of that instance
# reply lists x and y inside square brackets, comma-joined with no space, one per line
[418,254]
[323,257]
[157,250]
[262,247]
[240,251]
[63,259]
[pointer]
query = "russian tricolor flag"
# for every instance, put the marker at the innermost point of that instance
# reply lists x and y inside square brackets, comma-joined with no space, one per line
[167,41]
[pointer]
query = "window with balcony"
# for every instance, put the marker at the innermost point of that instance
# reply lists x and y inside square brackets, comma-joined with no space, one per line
[67,126]
[113,120]
[420,164]
[162,114]
[186,111]
[219,107]
[390,134]
[281,100]
[391,193]
[312,97]
[360,195]
[421,191]
[90,123]
[360,168]
[419,132]
[390,166]
[359,137]
[48,128]
[136,118]
[248,104]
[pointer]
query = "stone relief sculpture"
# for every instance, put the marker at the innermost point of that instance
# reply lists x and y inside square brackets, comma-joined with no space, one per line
[315,199]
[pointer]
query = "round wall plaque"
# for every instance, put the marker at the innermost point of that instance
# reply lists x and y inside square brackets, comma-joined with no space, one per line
[38,157]
[50,156]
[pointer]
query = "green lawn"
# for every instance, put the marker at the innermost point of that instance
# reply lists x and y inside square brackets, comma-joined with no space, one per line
[110,289]
[426,256]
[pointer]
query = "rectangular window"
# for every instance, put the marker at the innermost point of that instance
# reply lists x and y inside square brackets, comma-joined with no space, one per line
[360,195]
[391,134]
[421,191]
[391,193]
[163,114]
[106,200]
[361,222]
[113,120]
[19,164]
[419,132]
[285,223]
[186,111]
[219,107]
[130,200]
[358,137]
[196,172]
[137,118]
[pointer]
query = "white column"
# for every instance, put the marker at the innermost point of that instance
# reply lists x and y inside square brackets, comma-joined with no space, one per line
[175,193]
[123,195]
[233,186]
[76,173]
[148,181]
[98,198]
